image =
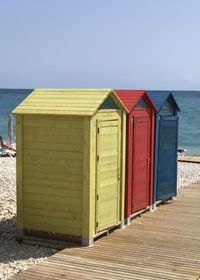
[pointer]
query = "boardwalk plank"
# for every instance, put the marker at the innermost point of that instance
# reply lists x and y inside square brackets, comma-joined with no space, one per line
[163,245]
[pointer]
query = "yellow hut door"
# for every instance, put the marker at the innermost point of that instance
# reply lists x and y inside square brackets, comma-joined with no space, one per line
[108,174]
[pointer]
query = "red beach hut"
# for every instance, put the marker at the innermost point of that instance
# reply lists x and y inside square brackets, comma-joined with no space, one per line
[139,151]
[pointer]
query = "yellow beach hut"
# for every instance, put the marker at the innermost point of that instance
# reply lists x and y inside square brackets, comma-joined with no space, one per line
[70,163]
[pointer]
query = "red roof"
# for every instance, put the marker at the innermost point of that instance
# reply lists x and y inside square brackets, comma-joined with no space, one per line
[131,97]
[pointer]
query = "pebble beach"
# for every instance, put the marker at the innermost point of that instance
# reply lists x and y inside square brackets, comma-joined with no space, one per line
[15,257]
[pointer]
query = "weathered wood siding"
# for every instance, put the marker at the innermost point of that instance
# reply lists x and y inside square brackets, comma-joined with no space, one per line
[82,102]
[168,109]
[103,115]
[166,141]
[140,131]
[50,184]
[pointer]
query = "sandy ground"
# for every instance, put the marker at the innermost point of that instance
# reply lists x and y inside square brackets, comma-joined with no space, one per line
[15,257]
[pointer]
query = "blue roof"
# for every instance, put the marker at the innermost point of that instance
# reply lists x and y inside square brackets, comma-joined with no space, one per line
[159,98]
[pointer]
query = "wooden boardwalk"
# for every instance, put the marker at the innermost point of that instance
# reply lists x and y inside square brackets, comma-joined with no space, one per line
[189,159]
[163,245]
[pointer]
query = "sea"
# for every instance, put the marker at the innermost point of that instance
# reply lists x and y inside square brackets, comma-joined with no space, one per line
[189,116]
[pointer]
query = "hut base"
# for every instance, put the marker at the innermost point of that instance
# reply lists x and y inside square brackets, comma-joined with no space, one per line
[107,231]
[164,201]
[46,239]
[87,242]
[59,241]
[135,215]
[153,207]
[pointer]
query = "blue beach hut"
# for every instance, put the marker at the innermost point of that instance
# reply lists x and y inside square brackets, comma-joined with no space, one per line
[166,145]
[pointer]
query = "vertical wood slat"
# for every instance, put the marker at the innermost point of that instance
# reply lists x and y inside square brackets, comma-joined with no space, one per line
[155,162]
[86,212]
[123,164]
[119,131]
[97,175]
[152,151]
[92,191]
[19,171]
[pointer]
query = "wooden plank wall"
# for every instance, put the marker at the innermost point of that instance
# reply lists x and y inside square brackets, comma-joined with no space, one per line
[100,116]
[52,174]
[163,245]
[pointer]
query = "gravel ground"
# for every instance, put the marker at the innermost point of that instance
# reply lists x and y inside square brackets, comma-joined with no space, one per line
[187,173]
[15,257]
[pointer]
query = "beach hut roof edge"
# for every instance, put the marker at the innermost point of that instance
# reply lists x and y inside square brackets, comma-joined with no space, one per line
[83,102]
[131,97]
[159,98]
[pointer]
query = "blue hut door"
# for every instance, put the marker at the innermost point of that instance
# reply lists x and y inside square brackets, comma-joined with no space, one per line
[167,158]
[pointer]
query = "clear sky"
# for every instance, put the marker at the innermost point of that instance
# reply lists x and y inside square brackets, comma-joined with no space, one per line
[137,44]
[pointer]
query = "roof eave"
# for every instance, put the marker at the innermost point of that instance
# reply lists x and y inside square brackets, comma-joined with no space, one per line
[174,100]
[170,96]
[150,101]
[118,100]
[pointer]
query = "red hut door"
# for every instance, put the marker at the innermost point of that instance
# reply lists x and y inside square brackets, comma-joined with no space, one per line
[141,159]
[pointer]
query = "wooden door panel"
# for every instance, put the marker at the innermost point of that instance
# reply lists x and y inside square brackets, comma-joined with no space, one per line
[107,210]
[141,153]
[167,163]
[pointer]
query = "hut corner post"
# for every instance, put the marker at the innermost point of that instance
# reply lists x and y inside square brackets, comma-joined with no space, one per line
[176,154]
[87,237]
[123,165]
[153,149]
[155,172]
[127,182]
[19,174]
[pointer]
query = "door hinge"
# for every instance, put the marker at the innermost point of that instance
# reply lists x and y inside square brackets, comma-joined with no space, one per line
[97,197]
[132,205]
[97,224]
[148,162]
[97,157]
[98,130]
[118,174]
